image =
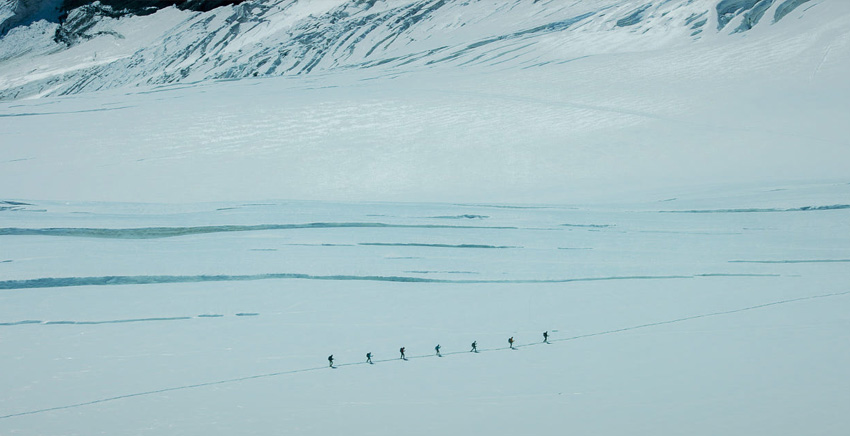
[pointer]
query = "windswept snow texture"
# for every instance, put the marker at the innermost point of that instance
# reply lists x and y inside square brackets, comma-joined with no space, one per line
[740,315]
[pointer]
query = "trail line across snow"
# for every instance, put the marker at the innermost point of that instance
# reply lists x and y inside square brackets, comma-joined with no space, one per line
[480,350]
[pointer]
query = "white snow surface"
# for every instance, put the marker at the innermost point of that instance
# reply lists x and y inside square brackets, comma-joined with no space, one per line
[179,254]
[697,315]
[580,115]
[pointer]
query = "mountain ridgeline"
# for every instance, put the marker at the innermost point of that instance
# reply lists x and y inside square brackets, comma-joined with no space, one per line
[119,43]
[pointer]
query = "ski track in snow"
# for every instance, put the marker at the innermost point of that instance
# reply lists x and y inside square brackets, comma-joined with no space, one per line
[448,353]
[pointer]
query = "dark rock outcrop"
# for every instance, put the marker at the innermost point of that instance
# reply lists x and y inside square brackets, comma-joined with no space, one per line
[139,7]
[80,16]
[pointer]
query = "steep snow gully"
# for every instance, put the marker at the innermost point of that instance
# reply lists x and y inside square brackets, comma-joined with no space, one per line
[101,45]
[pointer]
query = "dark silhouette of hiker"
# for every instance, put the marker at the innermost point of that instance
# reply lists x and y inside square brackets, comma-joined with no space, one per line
[437,348]
[331,360]
[511,342]
[474,347]
[401,350]
[369,357]
[546,337]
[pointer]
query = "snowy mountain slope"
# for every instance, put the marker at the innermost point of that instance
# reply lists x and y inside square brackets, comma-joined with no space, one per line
[768,108]
[101,47]
[502,114]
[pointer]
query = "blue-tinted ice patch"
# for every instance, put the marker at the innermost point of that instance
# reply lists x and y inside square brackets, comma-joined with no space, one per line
[793,261]
[786,8]
[694,17]
[62,282]
[698,25]
[752,17]
[13,205]
[413,244]
[736,275]
[29,321]
[763,210]
[502,206]
[441,272]
[460,217]
[117,321]
[321,245]
[169,232]
[35,114]
[633,18]
[728,9]
[685,232]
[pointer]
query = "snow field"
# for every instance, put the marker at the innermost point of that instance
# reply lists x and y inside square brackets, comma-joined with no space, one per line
[571,120]
[664,321]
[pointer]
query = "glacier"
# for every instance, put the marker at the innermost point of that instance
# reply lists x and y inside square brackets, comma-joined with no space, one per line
[659,318]
[202,200]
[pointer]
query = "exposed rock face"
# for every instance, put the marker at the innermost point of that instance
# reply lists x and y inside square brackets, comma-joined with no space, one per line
[148,6]
[80,16]
[78,23]
[23,12]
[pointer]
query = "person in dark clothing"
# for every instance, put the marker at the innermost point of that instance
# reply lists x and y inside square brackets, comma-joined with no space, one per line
[401,350]
[546,337]
[474,347]
[437,348]
[369,357]
[331,360]
[511,342]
